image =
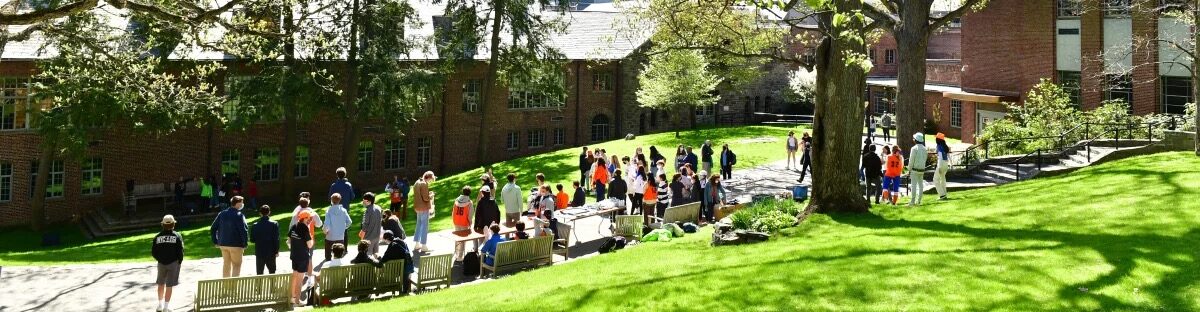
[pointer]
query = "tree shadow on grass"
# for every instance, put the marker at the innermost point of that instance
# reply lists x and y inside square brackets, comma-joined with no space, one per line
[1123,252]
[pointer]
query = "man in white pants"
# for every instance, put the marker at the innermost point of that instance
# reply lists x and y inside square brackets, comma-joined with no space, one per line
[943,165]
[916,169]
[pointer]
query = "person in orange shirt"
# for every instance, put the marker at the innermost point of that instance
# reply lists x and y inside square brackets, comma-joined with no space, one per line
[600,178]
[562,200]
[893,168]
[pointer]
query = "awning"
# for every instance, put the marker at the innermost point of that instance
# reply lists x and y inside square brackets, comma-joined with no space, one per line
[950,92]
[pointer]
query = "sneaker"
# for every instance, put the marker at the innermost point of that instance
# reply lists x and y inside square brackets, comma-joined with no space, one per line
[166,310]
[943,198]
[158,308]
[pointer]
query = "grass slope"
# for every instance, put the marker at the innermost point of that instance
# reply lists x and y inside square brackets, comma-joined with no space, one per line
[21,247]
[1121,236]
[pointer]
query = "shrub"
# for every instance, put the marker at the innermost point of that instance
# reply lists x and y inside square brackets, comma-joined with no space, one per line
[766,216]
[742,219]
[773,221]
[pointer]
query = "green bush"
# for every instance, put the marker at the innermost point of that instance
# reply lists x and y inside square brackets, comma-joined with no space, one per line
[766,216]
[773,221]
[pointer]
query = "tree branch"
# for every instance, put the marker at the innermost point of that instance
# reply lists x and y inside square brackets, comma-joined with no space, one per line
[47,14]
[939,22]
[882,19]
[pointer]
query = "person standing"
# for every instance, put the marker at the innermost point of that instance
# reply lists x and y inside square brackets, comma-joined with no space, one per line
[916,169]
[649,200]
[652,166]
[660,207]
[252,192]
[402,185]
[168,252]
[617,189]
[714,196]
[585,167]
[511,195]
[893,167]
[728,159]
[424,208]
[943,166]
[265,235]
[677,187]
[461,213]
[486,211]
[342,186]
[806,157]
[886,120]
[180,188]
[206,194]
[300,241]
[229,233]
[870,123]
[600,178]
[372,223]
[872,171]
[680,159]
[337,222]
[638,187]
[792,146]
[692,160]
[706,155]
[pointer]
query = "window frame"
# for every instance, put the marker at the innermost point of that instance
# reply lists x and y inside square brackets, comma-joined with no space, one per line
[889,56]
[472,93]
[6,181]
[59,175]
[1186,98]
[1116,8]
[559,137]
[1072,8]
[303,159]
[603,133]
[1120,85]
[956,108]
[264,171]
[512,141]
[366,155]
[602,81]
[424,152]
[228,161]
[22,104]
[1070,82]
[394,157]
[91,169]
[535,138]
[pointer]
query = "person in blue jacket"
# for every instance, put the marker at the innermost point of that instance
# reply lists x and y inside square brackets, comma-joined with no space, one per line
[342,186]
[230,235]
[265,235]
[728,159]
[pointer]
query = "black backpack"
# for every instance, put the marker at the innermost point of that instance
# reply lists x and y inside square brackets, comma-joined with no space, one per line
[612,244]
[471,264]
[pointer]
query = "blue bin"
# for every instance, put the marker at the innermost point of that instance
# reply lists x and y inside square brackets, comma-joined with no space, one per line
[799,192]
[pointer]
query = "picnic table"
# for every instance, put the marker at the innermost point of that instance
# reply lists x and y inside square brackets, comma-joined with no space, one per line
[607,207]
[460,238]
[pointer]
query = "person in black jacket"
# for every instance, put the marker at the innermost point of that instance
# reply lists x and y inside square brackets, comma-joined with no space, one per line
[168,251]
[872,171]
[398,250]
[706,155]
[486,210]
[585,165]
[728,159]
[580,196]
[265,235]
[365,256]
[617,188]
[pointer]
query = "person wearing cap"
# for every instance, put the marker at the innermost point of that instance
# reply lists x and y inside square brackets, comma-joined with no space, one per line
[424,208]
[229,233]
[168,252]
[372,222]
[486,210]
[265,235]
[398,250]
[943,165]
[916,169]
[300,241]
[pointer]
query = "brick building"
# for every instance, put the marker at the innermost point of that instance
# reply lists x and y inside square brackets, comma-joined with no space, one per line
[600,77]
[1095,49]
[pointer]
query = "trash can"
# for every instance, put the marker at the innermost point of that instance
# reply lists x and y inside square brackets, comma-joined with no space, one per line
[799,192]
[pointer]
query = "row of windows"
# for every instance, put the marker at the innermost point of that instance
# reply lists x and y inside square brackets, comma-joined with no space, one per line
[91,171]
[535,138]
[1116,8]
[472,93]
[1176,91]
[266,160]
[17,103]
[889,56]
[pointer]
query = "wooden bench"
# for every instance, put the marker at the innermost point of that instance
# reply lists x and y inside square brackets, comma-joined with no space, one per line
[360,280]
[562,245]
[629,226]
[245,293]
[513,255]
[685,213]
[165,191]
[434,271]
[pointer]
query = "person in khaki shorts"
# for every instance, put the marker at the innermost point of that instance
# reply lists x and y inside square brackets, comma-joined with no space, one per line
[229,232]
[168,252]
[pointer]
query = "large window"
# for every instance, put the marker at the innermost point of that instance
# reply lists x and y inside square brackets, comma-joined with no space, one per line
[54,185]
[1069,80]
[230,161]
[889,56]
[537,138]
[472,93]
[518,99]
[1070,8]
[882,99]
[1120,87]
[512,141]
[956,113]
[424,152]
[92,170]
[710,110]
[366,153]
[6,181]
[393,154]
[602,81]
[16,103]
[560,136]
[871,55]
[1176,93]
[1116,8]
[302,159]
[600,128]
[266,164]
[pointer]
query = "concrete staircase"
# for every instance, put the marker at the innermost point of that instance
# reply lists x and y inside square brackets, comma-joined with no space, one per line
[1002,170]
[100,224]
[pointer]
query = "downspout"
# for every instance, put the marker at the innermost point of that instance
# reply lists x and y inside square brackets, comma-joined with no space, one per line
[620,117]
[578,106]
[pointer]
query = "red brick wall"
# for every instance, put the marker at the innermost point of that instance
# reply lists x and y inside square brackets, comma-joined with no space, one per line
[1145,78]
[1008,46]
[1091,45]
[944,72]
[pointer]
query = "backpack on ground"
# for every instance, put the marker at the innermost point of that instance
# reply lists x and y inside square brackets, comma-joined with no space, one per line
[471,264]
[689,227]
[612,244]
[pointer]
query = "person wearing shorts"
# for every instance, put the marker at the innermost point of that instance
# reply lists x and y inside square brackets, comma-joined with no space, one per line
[893,167]
[168,252]
[301,242]
[793,145]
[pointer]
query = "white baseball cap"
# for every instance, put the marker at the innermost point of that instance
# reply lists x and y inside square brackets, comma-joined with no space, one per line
[486,189]
[168,219]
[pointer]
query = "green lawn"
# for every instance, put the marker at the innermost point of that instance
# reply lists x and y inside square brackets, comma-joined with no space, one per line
[1122,236]
[21,247]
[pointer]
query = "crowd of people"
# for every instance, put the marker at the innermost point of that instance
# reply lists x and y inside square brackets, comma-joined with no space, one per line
[882,169]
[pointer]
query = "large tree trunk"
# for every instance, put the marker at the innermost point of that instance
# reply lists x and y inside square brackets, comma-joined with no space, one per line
[489,79]
[352,127]
[1196,70]
[837,123]
[912,42]
[45,160]
[287,153]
